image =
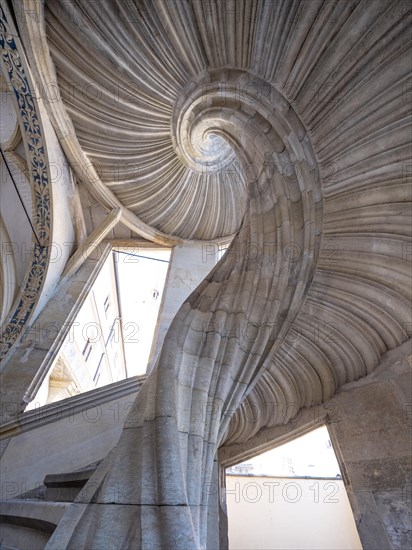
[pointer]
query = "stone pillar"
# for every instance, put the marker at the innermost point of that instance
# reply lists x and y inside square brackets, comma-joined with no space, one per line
[223,520]
[213,510]
[372,439]
[189,265]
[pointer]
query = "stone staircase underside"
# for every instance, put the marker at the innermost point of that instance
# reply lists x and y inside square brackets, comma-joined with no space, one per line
[35,494]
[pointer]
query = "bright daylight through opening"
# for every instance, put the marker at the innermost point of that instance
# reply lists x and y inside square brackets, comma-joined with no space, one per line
[298,483]
[111,337]
[141,279]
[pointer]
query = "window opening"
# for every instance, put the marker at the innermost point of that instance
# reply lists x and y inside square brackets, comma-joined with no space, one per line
[87,350]
[141,280]
[97,373]
[298,483]
[106,305]
[111,337]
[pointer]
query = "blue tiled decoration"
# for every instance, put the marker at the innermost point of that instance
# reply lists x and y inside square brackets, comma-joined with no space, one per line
[18,78]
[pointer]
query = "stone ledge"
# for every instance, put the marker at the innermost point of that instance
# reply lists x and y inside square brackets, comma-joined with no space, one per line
[69,407]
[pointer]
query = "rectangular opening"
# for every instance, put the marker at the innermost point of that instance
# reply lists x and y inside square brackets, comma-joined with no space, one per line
[291,497]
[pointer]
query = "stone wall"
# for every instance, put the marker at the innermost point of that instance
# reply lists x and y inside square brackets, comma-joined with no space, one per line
[372,439]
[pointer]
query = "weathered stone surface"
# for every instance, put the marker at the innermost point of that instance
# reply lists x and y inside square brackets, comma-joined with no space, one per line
[394,507]
[367,425]
[371,530]
[374,443]
[381,473]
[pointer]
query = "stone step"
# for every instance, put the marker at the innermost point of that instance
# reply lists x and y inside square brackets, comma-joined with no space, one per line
[62,487]
[28,523]
[71,479]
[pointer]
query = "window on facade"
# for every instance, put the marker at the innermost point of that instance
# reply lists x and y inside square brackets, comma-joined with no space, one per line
[155,294]
[106,305]
[98,370]
[87,350]
[111,339]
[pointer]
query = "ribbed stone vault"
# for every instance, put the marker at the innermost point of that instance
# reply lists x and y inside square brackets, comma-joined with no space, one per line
[287,124]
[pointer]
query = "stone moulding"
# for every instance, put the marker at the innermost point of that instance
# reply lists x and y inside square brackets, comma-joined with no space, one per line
[18,77]
[69,407]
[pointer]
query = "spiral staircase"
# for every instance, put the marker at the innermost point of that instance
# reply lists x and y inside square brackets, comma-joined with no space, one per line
[281,125]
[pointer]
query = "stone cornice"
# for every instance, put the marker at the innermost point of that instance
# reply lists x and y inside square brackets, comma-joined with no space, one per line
[54,412]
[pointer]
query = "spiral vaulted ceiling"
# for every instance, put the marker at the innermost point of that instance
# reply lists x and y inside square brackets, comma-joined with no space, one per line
[121,69]
[286,122]
[183,107]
